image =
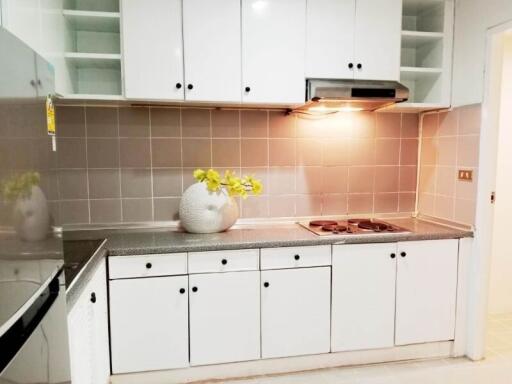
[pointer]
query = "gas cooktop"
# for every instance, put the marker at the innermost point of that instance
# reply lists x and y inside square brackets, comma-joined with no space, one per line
[351,227]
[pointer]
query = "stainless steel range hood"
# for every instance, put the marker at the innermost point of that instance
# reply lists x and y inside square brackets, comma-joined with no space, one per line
[328,96]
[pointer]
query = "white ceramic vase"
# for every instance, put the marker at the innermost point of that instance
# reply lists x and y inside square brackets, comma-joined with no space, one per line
[202,211]
[32,216]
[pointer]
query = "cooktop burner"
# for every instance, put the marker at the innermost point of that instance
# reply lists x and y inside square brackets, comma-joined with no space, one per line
[351,226]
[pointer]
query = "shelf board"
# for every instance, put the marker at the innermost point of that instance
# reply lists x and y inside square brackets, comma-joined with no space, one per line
[414,7]
[415,73]
[84,96]
[94,60]
[93,21]
[412,39]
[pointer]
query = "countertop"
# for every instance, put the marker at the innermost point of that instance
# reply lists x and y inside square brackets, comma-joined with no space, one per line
[124,242]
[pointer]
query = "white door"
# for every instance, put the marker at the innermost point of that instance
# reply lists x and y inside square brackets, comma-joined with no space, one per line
[152,49]
[101,343]
[213,57]
[224,317]
[273,51]
[149,323]
[363,296]
[45,77]
[426,291]
[23,19]
[330,39]
[378,39]
[295,312]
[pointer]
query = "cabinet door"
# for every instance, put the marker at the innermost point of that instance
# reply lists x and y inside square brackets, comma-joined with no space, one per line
[213,62]
[295,312]
[23,19]
[101,344]
[330,39]
[273,51]
[149,323]
[45,77]
[426,291]
[378,39]
[152,49]
[224,317]
[363,296]
[80,329]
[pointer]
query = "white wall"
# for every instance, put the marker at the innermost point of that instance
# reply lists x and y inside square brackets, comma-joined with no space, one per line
[500,297]
[472,19]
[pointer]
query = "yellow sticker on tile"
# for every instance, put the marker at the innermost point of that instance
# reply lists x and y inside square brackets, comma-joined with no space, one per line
[50,116]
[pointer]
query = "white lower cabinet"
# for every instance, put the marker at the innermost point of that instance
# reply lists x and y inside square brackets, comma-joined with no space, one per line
[426,291]
[224,317]
[363,296]
[88,332]
[149,323]
[295,311]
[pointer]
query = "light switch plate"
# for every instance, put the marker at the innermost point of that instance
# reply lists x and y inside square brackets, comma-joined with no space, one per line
[465,175]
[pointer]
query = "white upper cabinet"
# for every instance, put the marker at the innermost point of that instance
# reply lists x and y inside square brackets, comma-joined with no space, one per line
[212,35]
[426,291]
[354,39]
[273,51]
[378,39]
[152,49]
[330,39]
[363,296]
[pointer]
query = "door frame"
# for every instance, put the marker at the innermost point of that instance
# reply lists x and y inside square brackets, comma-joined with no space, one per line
[479,269]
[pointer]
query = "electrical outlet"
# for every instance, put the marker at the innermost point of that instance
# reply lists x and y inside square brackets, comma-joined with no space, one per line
[465,175]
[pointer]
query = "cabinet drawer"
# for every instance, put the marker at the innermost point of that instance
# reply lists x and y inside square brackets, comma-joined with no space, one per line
[223,261]
[122,267]
[295,257]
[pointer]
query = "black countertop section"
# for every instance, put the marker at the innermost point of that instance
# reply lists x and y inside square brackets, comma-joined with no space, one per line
[77,254]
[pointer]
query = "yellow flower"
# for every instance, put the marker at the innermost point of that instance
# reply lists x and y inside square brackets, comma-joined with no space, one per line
[255,185]
[199,175]
[213,180]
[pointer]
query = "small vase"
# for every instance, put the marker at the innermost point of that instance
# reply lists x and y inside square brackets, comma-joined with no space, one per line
[32,216]
[202,211]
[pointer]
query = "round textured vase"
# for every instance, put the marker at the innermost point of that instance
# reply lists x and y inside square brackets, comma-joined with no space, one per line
[202,211]
[32,216]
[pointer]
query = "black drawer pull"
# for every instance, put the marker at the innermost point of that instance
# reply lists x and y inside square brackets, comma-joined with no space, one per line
[266,284]
[296,257]
[194,289]
[403,254]
[224,261]
[392,255]
[182,290]
[149,265]
[93,297]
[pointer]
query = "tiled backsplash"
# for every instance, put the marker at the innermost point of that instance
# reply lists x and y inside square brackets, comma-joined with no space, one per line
[450,141]
[131,164]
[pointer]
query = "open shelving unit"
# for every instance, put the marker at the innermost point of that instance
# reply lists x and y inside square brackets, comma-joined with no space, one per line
[93,49]
[426,60]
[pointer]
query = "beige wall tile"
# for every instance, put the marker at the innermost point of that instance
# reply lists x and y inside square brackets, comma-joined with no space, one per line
[448,123]
[255,206]
[336,152]
[103,153]
[137,210]
[195,122]
[362,152]
[74,211]
[308,205]
[445,181]
[387,179]
[389,125]
[226,123]
[409,152]
[71,153]
[226,153]
[311,128]
[254,152]
[282,206]
[387,151]
[135,153]
[105,211]
[309,152]
[470,119]
[335,179]
[447,153]
[309,180]
[135,183]
[361,179]
[281,180]
[335,204]
[254,123]
[134,122]
[166,152]
[408,177]
[104,183]
[282,152]
[428,175]
[188,178]
[426,203]
[467,189]
[360,203]
[429,151]
[386,202]
[407,202]
[410,126]
[167,182]
[444,206]
[166,209]
[165,122]
[364,124]
[282,125]
[196,152]
[430,126]
[465,211]
[73,184]
[468,151]
[70,121]
[102,122]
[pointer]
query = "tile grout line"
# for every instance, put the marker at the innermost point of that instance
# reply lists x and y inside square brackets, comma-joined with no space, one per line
[87,166]
[151,177]
[119,165]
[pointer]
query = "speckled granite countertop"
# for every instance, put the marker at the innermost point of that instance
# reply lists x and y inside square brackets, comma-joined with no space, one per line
[123,242]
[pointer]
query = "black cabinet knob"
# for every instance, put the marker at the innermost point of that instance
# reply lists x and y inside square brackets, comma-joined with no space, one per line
[247,89]
[178,85]
[93,297]
[194,289]
[190,86]
[403,254]
[296,257]
[224,261]
[182,290]
[350,65]
[392,255]
[359,66]
[266,284]
[149,265]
